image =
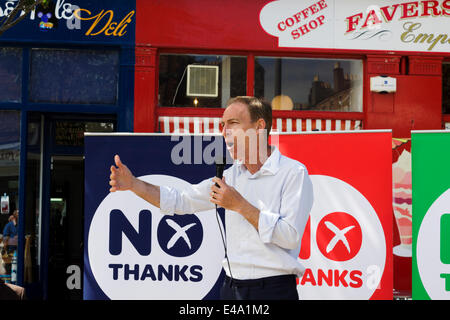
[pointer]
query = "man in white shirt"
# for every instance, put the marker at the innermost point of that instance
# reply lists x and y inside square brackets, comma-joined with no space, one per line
[267,199]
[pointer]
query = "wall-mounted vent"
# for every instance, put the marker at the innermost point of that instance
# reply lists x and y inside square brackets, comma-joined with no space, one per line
[202,81]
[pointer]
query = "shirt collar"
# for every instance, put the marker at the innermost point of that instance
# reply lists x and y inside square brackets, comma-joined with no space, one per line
[270,166]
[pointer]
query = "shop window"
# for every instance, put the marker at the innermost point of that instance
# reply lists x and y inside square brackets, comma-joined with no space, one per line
[446,88]
[71,133]
[310,84]
[200,80]
[9,186]
[74,76]
[10,74]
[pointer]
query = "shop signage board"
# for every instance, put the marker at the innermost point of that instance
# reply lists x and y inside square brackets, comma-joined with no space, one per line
[360,25]
[105,21]
[431,207]
[347,245]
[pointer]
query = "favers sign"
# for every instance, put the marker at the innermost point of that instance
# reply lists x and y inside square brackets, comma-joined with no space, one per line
[363,25]
[347,245]
[133,251]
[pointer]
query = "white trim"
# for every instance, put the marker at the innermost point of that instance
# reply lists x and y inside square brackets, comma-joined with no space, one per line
[331,132]
[159,134]
[430,131]
[327,125]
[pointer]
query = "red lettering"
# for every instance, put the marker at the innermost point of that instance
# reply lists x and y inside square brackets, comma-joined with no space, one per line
[303,29]
[372,16]
[332,277]
[355,276]
[305,13]
[430,5]
[328,278]
[322,4]
[297,17]
[320,19]
[308,277]
[295,34]
[280,26]
[410,10]
[313,8]
[313,24]
[340,278]
[290,22]
[385,10]
[353,21]
[446,6]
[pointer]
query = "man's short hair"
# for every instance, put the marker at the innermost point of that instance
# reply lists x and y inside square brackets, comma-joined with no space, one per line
[258,108]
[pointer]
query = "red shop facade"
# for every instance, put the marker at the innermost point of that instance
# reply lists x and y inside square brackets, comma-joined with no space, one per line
[324,65]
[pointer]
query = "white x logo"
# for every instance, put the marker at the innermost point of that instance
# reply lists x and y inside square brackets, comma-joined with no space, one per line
[339,236]
[180,233]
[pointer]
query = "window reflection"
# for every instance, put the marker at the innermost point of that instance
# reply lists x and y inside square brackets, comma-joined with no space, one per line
[74,76]
[10,74]
[200,80]
[310,84]
[9,187]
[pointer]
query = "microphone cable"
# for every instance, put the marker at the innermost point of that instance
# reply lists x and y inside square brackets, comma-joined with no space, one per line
[224,243]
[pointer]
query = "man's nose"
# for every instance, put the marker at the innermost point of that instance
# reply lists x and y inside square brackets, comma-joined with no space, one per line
[225,131]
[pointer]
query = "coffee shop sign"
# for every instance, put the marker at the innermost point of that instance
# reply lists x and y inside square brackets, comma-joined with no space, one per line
[101,23]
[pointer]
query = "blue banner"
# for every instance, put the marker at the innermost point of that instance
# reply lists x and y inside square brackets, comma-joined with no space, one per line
[131,250]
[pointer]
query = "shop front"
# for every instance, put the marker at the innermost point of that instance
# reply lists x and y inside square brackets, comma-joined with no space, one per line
[68,68]
[324,65]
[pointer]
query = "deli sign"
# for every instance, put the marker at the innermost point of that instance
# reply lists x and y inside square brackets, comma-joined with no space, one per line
[365,24]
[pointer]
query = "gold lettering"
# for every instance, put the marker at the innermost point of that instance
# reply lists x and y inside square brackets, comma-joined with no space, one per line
[408,36]
[109,28]
[120,30]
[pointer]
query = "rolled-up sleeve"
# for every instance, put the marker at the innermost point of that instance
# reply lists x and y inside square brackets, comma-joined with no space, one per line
[191,200]
[285,228]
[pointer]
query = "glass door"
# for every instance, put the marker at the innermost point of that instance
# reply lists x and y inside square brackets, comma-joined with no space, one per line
[54,217]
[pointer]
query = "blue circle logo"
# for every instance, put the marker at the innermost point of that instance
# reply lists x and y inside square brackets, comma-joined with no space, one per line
[180,235]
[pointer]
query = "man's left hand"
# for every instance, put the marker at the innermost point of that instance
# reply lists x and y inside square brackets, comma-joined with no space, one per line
[229,198]
[226,196]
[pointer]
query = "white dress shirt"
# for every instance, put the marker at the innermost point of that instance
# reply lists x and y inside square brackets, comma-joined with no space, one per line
[282,191]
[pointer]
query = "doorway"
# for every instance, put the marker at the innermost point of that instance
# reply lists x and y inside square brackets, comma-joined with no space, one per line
[54,218]
[65,245]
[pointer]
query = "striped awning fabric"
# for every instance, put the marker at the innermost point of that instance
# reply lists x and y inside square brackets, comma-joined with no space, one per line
[212,125]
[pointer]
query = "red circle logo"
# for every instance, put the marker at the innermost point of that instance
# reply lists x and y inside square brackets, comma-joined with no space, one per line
[339,236]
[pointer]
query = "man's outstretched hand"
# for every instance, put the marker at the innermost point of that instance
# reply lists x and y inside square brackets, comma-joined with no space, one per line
[121,177]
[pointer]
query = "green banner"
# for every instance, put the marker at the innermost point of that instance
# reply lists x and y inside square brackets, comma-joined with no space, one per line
[431,215]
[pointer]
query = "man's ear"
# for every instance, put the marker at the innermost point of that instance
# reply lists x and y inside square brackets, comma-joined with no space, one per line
[260,124]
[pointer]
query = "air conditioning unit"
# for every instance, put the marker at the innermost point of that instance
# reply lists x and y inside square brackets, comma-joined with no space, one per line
[202,81]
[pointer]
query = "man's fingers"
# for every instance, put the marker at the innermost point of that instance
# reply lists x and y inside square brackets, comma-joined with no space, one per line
[215,189]
[112,183]
[112,189]
[117,161]
[219,182]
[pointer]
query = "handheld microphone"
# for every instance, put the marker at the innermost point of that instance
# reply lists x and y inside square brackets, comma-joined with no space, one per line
[220,166]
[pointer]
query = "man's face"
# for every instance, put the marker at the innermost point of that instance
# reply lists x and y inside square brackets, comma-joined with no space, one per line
[239,132]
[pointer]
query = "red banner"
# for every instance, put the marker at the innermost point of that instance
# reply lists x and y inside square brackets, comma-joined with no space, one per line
[347,245]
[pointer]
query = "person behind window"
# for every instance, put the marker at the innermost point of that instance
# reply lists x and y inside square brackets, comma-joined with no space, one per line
[10,232]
